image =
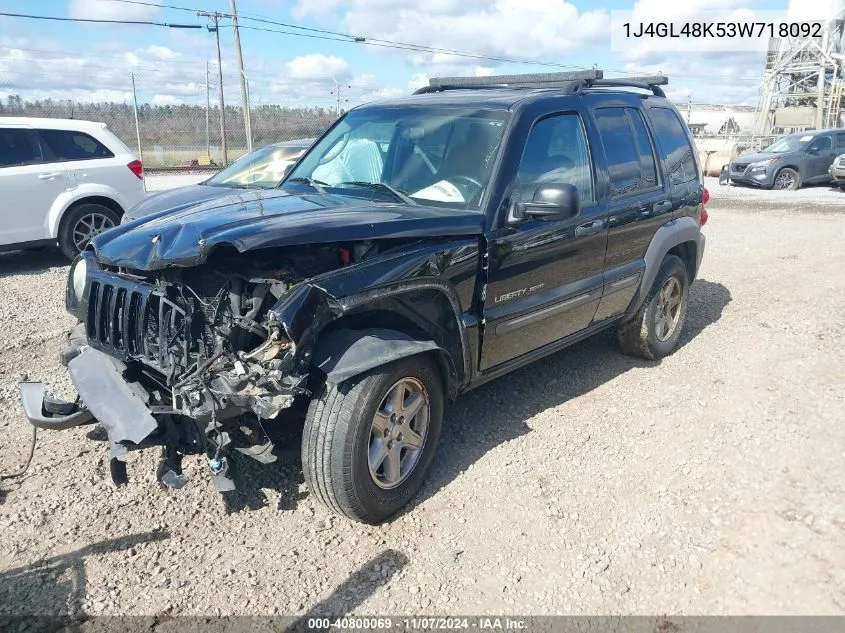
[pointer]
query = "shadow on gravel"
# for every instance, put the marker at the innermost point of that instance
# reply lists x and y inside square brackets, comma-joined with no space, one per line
[30,262]
[481,419]
[496,413]
[360,585]
[284,475]
[57,585]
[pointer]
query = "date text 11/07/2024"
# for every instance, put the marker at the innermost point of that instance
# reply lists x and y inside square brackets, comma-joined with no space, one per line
[418,623]
[718,30]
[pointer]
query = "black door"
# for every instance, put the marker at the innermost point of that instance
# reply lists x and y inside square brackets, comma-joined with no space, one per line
[544,278]
[639,203]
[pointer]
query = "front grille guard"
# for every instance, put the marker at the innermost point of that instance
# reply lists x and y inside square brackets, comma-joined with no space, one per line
[134,320]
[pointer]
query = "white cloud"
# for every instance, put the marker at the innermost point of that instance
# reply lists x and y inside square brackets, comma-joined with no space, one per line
[107,10]
[530,29]
[161,52]
[162,100]
[317,67]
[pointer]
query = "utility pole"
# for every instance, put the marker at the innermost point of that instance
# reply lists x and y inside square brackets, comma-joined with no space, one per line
[336,91]
[244,91]
[207,115]
[215,17]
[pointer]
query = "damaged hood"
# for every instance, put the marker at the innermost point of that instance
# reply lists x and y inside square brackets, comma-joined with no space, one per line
[271,219]
[181,198]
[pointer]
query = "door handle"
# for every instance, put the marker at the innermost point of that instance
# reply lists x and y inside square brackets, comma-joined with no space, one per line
[662,206]
[49,175]
[589,229]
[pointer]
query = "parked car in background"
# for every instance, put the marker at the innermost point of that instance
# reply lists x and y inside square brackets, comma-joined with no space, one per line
[837,171]
[63,181]
[791,161]
[262,169]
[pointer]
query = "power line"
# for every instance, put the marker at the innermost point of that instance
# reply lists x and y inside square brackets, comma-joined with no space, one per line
[100,21]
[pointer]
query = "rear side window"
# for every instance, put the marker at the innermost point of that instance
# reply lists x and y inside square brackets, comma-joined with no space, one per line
[840,141]
[674,141]
[630,157]
[19,147]
[70,145]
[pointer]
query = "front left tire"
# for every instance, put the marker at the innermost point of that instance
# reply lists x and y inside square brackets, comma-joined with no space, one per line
[368,442]
[83,223]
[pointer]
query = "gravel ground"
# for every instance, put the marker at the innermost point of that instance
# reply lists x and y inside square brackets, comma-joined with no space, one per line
[710,482]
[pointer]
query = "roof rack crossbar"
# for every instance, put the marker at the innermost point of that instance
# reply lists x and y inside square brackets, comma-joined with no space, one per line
[514,80]
[569,82]
[651,83]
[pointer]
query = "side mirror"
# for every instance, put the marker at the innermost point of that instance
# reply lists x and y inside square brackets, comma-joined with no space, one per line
[813,151]
[551,202]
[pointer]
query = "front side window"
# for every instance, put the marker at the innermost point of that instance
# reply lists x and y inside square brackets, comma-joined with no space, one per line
[556,152]
[821,144]
[673,139]
[627,146]
[69,145]
[19,147]
[435,156]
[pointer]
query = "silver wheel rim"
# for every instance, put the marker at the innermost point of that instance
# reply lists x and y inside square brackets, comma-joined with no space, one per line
[668,308]
[398,433]
[88,227]
[784,180]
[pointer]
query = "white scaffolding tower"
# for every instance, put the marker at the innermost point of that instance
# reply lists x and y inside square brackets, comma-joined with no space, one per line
[802,85]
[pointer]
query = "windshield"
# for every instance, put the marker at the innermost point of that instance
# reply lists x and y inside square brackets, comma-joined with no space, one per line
[433,156]
[791,143]
[262,169]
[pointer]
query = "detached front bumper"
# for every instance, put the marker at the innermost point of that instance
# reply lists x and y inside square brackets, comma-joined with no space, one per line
[107,399]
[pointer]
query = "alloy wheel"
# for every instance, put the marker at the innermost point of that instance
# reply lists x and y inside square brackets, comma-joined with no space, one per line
[784,180]
[398,433]
[668,308]
[88,227]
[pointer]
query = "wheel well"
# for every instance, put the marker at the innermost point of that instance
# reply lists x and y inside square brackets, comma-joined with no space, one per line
[422,315]
[101,200]
[687,252]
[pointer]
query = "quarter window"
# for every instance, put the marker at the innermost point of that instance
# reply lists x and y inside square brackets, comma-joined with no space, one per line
[19,147]
[68,145]
[556,153]
[672,137]
[627,146]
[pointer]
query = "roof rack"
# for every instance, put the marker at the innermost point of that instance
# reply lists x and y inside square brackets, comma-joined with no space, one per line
[570,83]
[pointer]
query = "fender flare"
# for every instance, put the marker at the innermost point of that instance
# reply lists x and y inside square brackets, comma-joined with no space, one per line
[345,353]
[67,199]
[668,236]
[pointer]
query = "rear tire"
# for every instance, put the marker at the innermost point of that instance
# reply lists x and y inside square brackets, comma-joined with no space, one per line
[654,331]
[350,425]
[81,224]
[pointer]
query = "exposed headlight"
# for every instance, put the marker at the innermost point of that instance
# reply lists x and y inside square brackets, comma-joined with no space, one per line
[78,275]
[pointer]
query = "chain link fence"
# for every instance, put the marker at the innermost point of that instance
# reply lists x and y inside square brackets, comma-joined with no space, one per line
[179,138]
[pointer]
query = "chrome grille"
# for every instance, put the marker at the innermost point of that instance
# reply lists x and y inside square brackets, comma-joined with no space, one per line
[738,168]
[134,320]
[841,162]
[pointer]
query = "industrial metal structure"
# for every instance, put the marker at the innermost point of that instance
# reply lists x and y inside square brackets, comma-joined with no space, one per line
[803,81]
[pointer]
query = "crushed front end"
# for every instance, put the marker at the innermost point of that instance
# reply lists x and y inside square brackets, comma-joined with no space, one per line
[191,359]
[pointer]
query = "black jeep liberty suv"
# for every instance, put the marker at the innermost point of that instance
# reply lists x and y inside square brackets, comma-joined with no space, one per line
[422,247]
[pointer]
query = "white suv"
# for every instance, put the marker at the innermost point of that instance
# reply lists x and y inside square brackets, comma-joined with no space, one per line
[63,180]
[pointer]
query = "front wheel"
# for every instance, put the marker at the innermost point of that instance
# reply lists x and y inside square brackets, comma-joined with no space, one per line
[368,442]
[654,331]
[787,180]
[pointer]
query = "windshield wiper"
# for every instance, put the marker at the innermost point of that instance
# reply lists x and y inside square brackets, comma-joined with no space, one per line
[381,186]
[317,184]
